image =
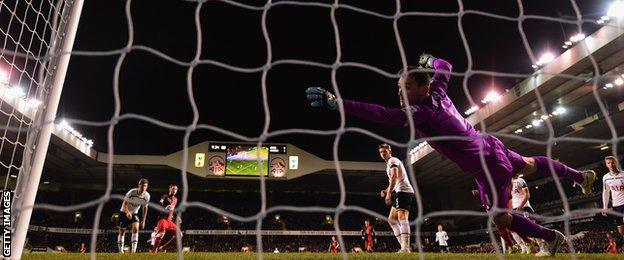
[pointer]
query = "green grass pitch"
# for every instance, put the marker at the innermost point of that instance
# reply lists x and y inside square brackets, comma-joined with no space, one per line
[246,168]
[297,256]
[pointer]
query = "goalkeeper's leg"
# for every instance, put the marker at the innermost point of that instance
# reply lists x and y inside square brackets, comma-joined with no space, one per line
[540,165]
[513,221]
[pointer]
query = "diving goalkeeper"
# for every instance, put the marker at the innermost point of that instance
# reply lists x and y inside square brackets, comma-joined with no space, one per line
[434,114]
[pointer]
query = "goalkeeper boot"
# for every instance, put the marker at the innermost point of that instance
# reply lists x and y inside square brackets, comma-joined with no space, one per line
[551,248]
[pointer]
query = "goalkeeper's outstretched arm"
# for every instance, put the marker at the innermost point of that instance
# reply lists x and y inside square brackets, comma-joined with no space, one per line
[320,97]
[375,113]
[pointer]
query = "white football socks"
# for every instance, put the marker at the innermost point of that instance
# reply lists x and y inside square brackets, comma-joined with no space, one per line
[135,241]
[120,243]
[396,228]
[405,233]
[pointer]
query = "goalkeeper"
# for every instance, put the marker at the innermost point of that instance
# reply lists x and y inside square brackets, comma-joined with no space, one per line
[434,114]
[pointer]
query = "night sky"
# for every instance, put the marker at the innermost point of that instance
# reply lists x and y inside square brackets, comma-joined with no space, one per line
[154,87]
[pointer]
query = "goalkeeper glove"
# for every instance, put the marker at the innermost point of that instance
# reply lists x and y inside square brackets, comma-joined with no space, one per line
[320,97]
[426,60]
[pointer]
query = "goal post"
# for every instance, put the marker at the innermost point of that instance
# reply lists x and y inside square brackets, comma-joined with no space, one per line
[39,133]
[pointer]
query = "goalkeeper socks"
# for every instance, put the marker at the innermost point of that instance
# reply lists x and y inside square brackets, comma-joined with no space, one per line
[561,169]
[396,229]
[525,227]
[120,243]
[135,241]
[405,233]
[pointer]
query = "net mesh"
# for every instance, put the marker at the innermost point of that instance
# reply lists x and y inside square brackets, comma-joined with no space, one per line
[27,27]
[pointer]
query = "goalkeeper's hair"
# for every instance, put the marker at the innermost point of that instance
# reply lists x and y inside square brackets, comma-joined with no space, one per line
[611,158]
[422,78]
[384,146]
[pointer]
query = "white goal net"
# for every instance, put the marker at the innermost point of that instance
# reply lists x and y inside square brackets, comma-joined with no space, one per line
[38,36]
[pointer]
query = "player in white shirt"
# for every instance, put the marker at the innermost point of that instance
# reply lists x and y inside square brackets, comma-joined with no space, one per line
[520,195]
[613,186]
[520,202]
[129,214]
[442,239]
[399,195]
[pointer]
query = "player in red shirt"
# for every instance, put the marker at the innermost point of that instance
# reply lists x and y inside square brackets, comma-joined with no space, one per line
[368,235]
[166,227]
[334,245]
[612,249]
